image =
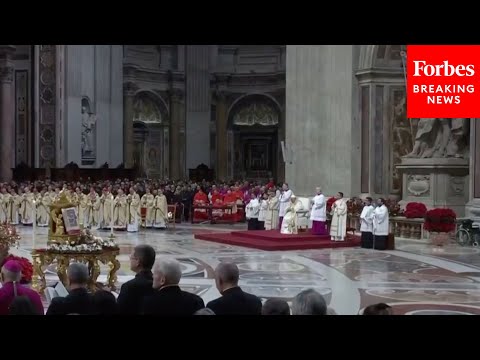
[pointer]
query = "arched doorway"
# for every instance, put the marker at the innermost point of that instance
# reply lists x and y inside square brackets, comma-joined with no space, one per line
[253,123]
[151,135]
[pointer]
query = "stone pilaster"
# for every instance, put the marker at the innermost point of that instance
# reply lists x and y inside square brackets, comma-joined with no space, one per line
[473,206]
[129,90]
[7,112]
[177,144]
[222,139]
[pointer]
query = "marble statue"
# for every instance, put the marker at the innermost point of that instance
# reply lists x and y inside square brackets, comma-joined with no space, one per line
[88,133]
[440,138]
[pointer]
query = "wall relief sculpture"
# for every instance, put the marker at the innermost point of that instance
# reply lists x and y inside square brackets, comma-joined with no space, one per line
[89,121]
[418,185]
[441,138]
[457,186]
[401,136]
[146,109]
[256,113]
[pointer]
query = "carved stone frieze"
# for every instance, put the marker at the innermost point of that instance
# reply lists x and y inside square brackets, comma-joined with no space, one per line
[418,185]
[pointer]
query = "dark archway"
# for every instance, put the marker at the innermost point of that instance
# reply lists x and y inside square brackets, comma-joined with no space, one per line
[253,123]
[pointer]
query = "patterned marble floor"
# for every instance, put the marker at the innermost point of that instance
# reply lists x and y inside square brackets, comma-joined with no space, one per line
[417,278]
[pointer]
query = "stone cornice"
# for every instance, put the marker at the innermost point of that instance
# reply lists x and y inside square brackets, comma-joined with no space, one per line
[134,72]
[373,74]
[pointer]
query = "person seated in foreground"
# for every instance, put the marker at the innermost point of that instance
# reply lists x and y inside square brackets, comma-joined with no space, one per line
[104,303]
[309,302]
[204,311]
[234,301]
[275,307]
[134,291]
[79,300]
[22,305]
[169,299]
[12,289]
[378,309]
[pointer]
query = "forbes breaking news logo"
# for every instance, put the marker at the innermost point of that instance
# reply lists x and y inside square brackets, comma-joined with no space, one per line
[442,81]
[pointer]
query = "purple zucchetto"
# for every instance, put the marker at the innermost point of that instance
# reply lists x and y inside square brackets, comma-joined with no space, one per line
[12,266]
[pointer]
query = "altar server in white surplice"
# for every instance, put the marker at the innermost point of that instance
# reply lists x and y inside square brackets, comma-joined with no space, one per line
[338,228]
[380,225]
[318,214]
[366,223]
[284,202]
[252,211]
[262,215]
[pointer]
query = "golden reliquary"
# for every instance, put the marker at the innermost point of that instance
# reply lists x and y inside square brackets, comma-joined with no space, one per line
[64,227]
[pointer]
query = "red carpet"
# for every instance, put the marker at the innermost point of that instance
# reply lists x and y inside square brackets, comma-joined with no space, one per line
[273,240]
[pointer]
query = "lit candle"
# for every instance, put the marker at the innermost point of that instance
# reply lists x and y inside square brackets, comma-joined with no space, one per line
[34,224]
[111,218]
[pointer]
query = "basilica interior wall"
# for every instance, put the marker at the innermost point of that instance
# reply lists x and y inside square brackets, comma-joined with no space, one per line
[322,132]
[93,104]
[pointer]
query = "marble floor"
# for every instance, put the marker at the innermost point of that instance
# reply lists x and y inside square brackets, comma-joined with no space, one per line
[417,278]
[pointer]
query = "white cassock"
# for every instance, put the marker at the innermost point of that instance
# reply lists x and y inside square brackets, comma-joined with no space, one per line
[289,223]
[338,228]
[380,221]
[284,202]
[366,219]
[319,209]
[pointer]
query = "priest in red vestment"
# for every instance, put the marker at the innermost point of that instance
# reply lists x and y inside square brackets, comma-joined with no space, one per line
[200,199]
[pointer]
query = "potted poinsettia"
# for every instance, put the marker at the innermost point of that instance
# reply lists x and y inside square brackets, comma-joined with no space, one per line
[415,210]
[439,223]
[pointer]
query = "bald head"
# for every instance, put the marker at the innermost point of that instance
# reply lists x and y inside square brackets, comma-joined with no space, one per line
[319,190]
[166,272]
[226,276]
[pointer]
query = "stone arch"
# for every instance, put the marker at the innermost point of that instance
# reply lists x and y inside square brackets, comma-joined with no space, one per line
[254,98]
[155,103]
[151,134]
[380,56]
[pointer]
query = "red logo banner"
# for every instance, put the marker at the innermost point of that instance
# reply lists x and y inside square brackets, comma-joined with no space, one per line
[442,81]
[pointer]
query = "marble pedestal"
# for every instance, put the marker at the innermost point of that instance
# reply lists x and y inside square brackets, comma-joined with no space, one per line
[441,182]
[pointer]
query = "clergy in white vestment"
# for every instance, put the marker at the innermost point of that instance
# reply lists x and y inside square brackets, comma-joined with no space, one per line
[4,200]
[26,207]
[366,223]
[120,212]
[318,214]
[134,210]
[252,211]
[148,202]
[289,223]
[263,211]
[284,203]
[380,225]
[338,228]
[43,209]
[161,210]
[271,217]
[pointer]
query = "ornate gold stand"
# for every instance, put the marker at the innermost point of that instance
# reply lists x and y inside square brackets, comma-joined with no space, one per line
[42,259]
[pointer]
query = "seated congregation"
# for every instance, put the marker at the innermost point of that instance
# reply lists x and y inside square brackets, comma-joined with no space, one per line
[155,290]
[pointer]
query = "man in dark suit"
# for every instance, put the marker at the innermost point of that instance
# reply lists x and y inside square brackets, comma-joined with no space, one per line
[134,291]
[169,299]
[79,300]
[234,300]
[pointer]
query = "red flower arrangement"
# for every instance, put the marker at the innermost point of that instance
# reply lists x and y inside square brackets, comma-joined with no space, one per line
[393,207]
[27,267]
[415,210]
[440,220]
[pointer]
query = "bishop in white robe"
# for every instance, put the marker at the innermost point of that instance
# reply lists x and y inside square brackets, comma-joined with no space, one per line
[289,223]
[318,214]
[366,224]
[284,203]
[338,228]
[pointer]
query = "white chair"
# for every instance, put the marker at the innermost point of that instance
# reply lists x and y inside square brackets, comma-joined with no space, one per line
[303,216]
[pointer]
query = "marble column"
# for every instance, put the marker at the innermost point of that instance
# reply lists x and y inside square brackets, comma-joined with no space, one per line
[473,206]
[222,139]
[198,105]
[129,90]
[7,112]
[321,130]
[177,119]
